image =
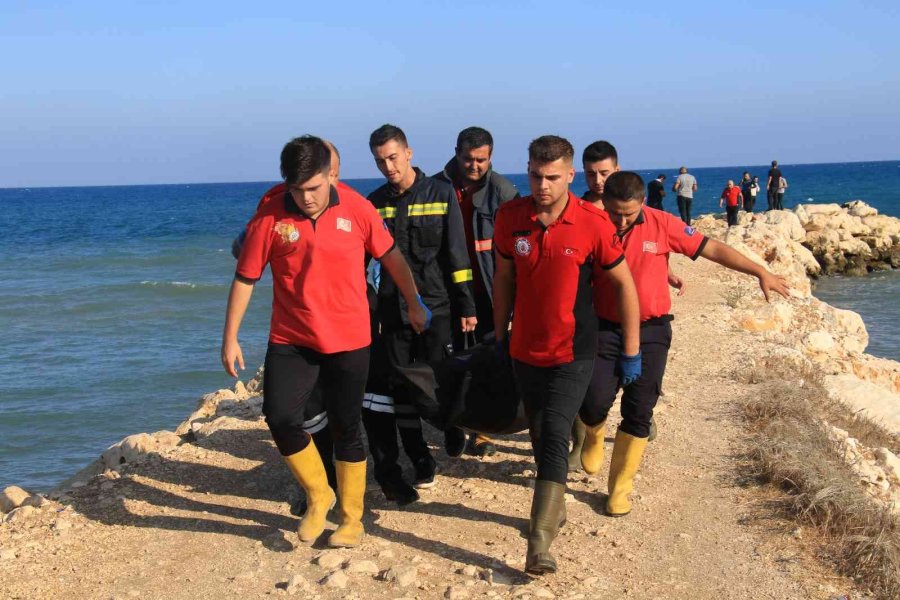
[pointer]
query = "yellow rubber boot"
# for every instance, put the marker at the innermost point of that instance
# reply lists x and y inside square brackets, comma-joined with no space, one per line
[592,450]
[308,469]
[627,453]
[351,479]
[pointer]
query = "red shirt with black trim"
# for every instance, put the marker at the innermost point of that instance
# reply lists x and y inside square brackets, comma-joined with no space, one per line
[647,243]
[730,194]
[318,268]
[281,188]
[553,317]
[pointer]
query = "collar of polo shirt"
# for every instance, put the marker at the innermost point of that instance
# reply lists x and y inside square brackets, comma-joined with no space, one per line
[291,206]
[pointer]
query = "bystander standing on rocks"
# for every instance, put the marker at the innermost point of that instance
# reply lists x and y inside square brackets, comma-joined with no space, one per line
[685,186]
[772,184]
[731,197]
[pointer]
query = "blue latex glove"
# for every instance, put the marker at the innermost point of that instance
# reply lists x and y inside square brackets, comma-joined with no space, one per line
[629,368]
[427,311]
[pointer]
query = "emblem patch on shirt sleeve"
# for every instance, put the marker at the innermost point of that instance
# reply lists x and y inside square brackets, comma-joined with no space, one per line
[344,224]
[689,230]
[650,246]
[287,231]
[523,247]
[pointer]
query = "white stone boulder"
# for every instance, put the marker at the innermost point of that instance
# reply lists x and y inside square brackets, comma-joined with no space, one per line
[139,447]
[858,208]
[13,497]
[818,342]
[872,401]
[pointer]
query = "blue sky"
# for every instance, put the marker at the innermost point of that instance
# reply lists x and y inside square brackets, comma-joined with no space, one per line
[167,92]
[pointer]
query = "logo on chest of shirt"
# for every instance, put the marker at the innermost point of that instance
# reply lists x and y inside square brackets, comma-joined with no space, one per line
[344,224]
[650,246]
[523,247]
[288,232]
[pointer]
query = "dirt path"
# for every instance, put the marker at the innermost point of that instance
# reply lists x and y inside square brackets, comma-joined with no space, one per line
[210,520]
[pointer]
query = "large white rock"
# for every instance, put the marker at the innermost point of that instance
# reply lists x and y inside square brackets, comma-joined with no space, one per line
[858,208]
[138,447]
[822,209]
[874,402]
[785,223]
[13,497]
[768,317]
[819,342]
[203,430]
[889,462]
[855,247]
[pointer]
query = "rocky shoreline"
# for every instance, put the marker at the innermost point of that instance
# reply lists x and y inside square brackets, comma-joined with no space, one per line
[813,336]
[816,339]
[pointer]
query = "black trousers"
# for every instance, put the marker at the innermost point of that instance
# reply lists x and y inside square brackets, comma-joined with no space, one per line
[639,399]
[552,397]
[749,202]
[779,200]
[731,214]
[771,198]
[291,374]
[389,407]
[657,204]
[684,208]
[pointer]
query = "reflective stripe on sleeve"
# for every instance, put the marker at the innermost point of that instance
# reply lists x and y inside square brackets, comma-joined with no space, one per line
[428,209]
[388,212]
[484,245]
[462,276]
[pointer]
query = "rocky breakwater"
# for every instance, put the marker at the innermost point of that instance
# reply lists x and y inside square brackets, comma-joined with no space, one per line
[814,337]
[852,239]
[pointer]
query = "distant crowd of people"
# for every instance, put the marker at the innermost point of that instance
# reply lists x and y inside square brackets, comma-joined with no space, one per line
[733,198]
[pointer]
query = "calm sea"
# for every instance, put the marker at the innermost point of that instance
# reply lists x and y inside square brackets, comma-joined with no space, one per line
[112,302]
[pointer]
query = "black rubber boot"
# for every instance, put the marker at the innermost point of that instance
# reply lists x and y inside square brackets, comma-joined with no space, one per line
[381,431]
[577,444]
[455,442]
[547,510]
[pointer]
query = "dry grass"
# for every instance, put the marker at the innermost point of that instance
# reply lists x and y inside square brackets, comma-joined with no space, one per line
[791,448]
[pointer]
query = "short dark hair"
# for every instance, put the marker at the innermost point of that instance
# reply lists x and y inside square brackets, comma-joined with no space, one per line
[599,150]
[661,176]
[624,185]
[774,163]
[385,134]
[474,137]
[549,148]
[303,158]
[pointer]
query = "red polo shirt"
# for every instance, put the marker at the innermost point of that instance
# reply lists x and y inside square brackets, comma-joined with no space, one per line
[731,195]
[280,188]
[318,269]
[553,320]
[647,244]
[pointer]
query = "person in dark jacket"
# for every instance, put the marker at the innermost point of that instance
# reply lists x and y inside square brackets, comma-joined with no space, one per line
[423,215]
[656,191]
[480,191]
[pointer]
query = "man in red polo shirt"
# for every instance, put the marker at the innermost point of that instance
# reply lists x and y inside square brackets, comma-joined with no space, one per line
[315,238]
[731,198]
[648,236]
[550,247]
[315,418]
